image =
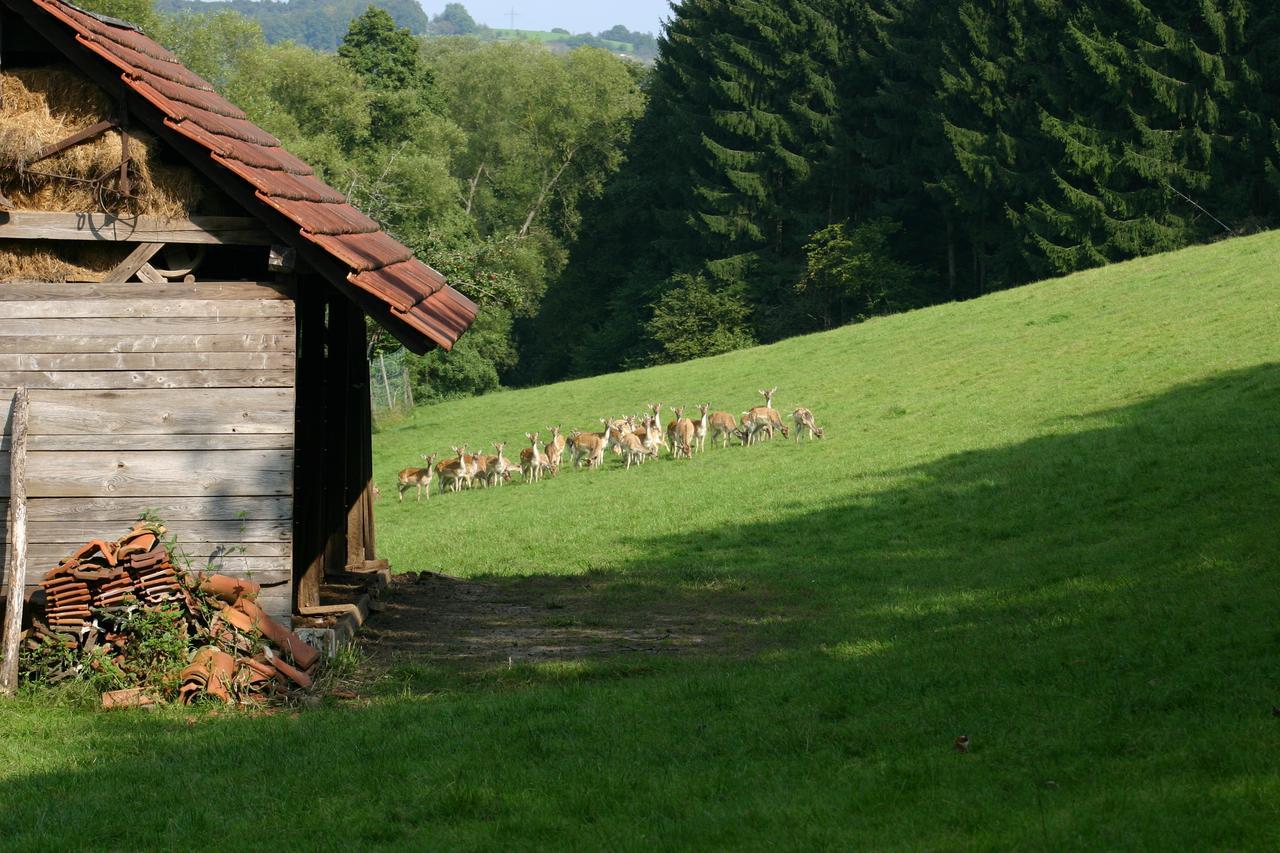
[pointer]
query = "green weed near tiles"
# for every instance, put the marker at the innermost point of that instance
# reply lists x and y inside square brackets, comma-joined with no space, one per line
[1046,519]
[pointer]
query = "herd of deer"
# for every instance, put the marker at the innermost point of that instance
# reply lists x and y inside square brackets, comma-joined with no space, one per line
[634,438]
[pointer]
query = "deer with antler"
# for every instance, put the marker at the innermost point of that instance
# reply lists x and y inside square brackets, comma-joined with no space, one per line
[769,413]
[420,477]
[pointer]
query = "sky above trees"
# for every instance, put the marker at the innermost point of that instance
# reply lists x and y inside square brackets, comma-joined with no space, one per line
[577,16]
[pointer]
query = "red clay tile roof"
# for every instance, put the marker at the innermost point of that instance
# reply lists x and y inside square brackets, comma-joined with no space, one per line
[379,265]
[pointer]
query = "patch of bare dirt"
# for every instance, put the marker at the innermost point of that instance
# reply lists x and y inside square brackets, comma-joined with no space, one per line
[547,618]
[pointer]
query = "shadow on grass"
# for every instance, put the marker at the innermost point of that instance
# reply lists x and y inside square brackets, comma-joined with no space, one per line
[1095,608]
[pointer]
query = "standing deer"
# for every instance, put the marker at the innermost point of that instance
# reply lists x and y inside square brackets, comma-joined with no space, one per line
[804,422]
[555,450]
[454,472]
[633,449]
[681,432]
[769,412]
[420,477]
[531,459]
[589,446]
[651,438]
[700,427]
[498,468]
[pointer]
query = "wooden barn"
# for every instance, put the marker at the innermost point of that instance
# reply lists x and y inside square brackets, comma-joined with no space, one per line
[186,302]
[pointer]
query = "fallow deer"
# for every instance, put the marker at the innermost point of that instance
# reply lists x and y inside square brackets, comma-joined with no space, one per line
[804,422]
[555,450]
[531,459]
[633,449]
[498,468]
[681,433]
[454,472]
[768,411]
[700,427]
[420,477]
[723,425]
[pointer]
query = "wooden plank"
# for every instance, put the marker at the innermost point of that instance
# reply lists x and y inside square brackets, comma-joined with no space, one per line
[39,291]
[192,532]
[142,307]
[202,230]
[173,411]
[142,326]
[148,273]
[119,513]
[262,569]
[159,473]
[115,342]
[17,569]
[224,441]
[77,380]
[45,555]
[63,361]
[135,260]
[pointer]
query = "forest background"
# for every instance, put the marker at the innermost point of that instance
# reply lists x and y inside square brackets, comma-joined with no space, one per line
[784,166]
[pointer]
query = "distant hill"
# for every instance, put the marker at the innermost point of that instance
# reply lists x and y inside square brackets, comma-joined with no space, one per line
[642,46]
[319,24]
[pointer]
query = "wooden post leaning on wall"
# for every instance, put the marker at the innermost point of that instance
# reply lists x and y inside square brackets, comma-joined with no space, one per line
[18,536]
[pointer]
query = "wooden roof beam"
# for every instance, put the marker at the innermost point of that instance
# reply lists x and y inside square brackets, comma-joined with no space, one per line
[104,227]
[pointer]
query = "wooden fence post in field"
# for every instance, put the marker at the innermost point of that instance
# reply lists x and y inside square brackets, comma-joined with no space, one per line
[17,571]
[385,384]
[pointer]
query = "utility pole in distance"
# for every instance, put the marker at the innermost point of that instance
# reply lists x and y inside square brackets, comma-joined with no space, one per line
[512,17]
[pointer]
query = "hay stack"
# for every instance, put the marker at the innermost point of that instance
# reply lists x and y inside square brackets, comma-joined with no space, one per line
[41,106]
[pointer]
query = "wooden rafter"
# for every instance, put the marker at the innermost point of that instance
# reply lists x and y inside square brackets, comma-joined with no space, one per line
[104,227]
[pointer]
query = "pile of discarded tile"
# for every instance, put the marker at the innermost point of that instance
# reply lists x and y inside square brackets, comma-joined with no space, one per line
[238,654]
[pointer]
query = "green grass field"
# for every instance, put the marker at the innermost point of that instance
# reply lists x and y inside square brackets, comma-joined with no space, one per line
[1048,519]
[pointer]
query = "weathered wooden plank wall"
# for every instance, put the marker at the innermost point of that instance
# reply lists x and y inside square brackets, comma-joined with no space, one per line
[176,399]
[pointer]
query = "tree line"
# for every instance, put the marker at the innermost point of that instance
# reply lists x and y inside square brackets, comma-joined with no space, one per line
[478,156]
[802,164]
[786,166]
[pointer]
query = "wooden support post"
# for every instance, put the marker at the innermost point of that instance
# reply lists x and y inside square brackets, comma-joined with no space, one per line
[130,265]
[17,571]
[356,488]
[310,535]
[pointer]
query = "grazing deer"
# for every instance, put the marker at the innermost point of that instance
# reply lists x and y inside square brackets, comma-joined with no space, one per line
[804,422]
[754,423]
[453,472]
[531,459]
[681,432]
[420,477]
[723,424]
[555,450]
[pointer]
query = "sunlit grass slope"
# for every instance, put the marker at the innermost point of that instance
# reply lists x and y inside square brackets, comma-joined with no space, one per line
[929,403]
[1047,519]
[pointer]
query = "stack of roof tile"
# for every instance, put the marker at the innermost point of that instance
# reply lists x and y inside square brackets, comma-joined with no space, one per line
[238,654]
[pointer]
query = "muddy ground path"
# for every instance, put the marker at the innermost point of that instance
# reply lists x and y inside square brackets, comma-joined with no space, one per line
[441,620]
